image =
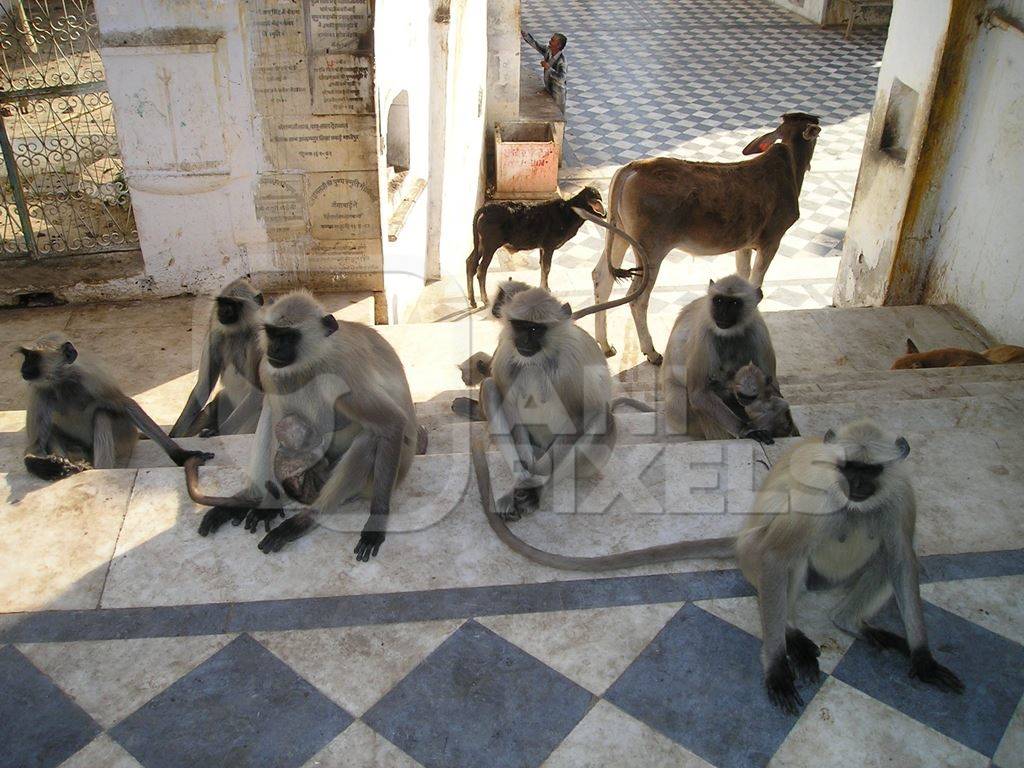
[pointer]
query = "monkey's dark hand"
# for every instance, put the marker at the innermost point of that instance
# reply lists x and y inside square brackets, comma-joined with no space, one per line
[761,435]
[53,467]
[291,529]
[182,456]
[257,516]
[804,653]
[217,516]
[521,501]
[368,545]
[781,685]
[925,668]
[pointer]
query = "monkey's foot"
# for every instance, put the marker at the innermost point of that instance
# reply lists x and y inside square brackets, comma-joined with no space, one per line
[54,467]
[883,639]
[291,529]
[422,439]
[368,545]
[217,516]
[611,351]
[257,516]
[804,653]
[521,501]
[654,358]
[208,432]
[780,682]
[925,668]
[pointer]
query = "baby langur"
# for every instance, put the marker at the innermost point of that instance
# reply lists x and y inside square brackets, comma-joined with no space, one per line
[300,463]
[548,402]
[345,382]
[757,400]
[77,416]
[231,354]
[836,513]
[713,337]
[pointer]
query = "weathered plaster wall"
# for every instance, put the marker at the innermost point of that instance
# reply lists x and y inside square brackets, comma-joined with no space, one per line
[912,53]
[402,34]
[464,170]
[254,137]
[503,54]
[977,230]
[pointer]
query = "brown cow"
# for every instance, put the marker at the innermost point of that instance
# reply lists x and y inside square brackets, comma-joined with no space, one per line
[706,209]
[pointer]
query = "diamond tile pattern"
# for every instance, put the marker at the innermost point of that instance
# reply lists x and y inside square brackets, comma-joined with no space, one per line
[682,688]
[241,707]
[479,700]
[39,724]
[991,667]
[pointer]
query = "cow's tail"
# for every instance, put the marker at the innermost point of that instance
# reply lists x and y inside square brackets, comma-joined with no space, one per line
[614,193]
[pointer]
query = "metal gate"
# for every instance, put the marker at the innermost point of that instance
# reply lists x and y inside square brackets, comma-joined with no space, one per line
[63,191]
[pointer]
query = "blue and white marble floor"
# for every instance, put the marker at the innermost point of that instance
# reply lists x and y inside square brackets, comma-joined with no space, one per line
[648,670]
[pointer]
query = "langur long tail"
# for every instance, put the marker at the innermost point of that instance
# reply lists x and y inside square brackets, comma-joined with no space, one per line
[640,271]
[662,553]
[192,465]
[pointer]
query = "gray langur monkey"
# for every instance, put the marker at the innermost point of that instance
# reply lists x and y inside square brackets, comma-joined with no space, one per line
[836,513]
[477,367]
[713,337]
[756,399]
[345,382]
[231,354]
[548,401]
[78,418]
[833,513]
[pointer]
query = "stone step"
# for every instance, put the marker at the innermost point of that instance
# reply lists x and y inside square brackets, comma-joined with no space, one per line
[991,412]
[812,387]
[144,549]
[143,522]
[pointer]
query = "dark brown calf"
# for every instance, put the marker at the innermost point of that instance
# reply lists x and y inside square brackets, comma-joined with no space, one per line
[524,226]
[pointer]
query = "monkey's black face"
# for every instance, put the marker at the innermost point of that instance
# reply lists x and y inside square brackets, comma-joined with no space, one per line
[282,345]
[30,368]
[529,337]
[726,310]
[861,479]
[228,310]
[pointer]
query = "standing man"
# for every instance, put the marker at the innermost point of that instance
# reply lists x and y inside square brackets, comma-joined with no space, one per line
[554,65]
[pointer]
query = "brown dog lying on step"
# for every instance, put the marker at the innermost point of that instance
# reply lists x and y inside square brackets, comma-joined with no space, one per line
[953,357]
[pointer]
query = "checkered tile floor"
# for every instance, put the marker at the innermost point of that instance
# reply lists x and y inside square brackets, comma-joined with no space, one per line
[699,79]
[661,684]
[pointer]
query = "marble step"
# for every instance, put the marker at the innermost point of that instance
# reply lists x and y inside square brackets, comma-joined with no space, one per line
[144,550]
[924,383]
[140,525]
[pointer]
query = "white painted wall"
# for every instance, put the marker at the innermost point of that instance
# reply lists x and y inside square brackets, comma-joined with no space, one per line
[916,35]
[182,114]
[813,10]
[464,172]
[439,53]
[978,230]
